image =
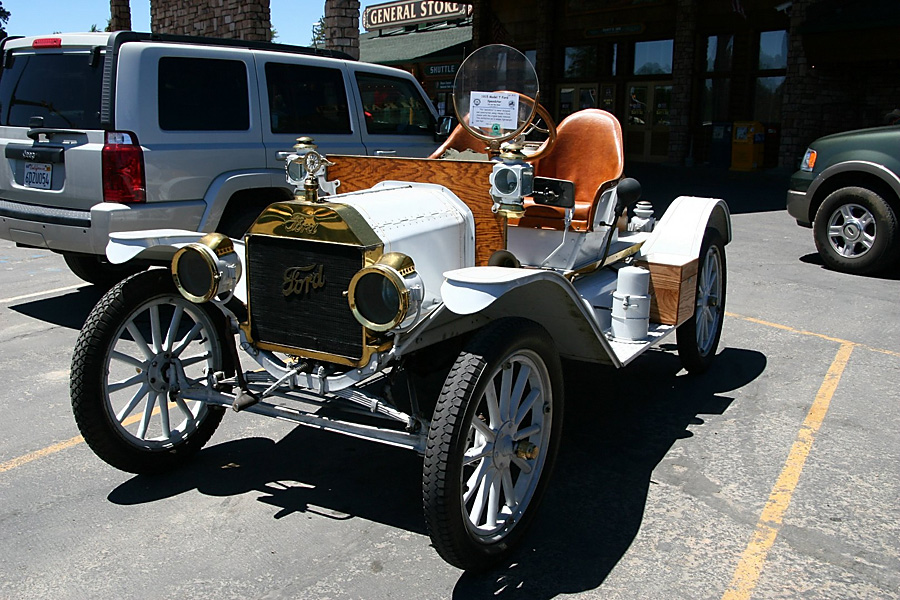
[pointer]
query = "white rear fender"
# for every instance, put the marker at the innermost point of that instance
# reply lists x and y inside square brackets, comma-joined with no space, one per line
[545,297]
[682,227]
[161,245]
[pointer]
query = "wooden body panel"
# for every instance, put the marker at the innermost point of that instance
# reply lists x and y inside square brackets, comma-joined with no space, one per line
[467,179]
[673,288]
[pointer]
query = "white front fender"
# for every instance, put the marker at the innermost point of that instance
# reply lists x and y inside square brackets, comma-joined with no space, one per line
[471,290]
[161,245]
[542,296]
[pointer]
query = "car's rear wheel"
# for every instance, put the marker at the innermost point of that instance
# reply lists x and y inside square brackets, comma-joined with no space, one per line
[698,337]
[856,231]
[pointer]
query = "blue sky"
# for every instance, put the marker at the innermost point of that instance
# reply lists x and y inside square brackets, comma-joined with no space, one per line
[292,19]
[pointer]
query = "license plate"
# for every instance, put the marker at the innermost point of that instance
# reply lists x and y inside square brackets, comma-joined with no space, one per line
[38,175]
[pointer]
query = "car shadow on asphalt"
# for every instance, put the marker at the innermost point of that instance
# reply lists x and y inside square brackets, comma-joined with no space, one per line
[619,426]
[307,471]
[890,274]
[66,310]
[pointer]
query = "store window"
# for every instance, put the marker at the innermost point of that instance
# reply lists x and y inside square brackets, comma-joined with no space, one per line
[769,89]
[768,97]
[714,100]
[773,50]
[580,62]
[653,58]
[719,49]
[716,90]
[662,100]
[615,58]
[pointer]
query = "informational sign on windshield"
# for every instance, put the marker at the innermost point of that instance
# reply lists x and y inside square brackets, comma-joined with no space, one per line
[496,111]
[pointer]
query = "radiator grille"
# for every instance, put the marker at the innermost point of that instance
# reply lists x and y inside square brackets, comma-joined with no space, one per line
[314,317]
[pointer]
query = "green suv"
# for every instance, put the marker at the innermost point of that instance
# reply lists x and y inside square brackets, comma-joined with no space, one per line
[848,191]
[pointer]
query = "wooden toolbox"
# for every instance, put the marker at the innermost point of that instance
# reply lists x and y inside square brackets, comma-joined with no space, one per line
[673,287]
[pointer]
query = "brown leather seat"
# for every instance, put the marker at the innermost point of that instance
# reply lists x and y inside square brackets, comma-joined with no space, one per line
[588,152]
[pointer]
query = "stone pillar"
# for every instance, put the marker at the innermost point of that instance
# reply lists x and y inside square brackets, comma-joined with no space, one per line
[799,109]
[683,64]
[232,19]
[342,26]
[119,15]
[545,34]
[481,23]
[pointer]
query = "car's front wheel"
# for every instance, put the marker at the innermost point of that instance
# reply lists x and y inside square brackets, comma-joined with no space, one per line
[856,231]
[492,443]
[140,343]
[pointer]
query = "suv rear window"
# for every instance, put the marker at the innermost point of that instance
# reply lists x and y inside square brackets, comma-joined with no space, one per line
[305,99]
[203,94]
[64,89]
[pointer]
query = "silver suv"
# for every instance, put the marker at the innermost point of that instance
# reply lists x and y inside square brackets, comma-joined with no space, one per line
[109,132]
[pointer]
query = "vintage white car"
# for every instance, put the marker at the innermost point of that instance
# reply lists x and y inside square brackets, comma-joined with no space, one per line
[480,275]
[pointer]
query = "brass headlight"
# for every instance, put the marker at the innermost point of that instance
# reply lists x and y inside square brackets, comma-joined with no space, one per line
[388,294]
[204,269]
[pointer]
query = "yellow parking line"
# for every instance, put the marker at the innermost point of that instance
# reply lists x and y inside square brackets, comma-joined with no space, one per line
[18,462]
[810,333]
[27,458]
[746,576]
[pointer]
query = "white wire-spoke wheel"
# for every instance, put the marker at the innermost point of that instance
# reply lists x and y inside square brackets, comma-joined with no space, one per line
[140,344]
[698,337]
[492,443]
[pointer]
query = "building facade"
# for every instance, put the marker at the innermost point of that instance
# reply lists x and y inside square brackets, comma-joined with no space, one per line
[680,73]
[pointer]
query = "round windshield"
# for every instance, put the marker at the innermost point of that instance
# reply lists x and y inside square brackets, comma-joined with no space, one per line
[495,92]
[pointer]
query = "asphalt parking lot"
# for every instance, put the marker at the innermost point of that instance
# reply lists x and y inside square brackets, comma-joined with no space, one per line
[775,475]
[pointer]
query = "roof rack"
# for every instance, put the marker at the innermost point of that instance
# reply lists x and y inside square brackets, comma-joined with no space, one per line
[121,37]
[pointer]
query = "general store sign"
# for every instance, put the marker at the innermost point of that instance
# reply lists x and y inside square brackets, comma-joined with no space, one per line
[409,12]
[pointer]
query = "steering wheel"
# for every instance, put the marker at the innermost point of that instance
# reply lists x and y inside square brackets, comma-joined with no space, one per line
[537,109]
[548,143]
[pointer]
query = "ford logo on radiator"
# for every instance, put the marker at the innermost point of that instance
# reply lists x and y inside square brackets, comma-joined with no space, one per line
[303,280]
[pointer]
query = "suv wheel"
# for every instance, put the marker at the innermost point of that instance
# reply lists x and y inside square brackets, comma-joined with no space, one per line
[94,269]
[856,231]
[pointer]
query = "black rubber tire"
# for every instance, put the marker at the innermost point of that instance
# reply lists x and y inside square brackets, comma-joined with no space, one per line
[839,251]
[97,270]
[237,220]
[498,346]
[91,363]
[696,357]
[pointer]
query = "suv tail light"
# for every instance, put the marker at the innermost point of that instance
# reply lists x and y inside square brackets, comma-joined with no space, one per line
[123,169]
[47,43]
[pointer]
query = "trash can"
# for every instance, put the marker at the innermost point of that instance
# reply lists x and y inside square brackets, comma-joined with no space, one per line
[748,145]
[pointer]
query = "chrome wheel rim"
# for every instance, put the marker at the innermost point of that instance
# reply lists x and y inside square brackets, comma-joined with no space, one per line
[163,342]
[506,446]
[851,230]
[708,313]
